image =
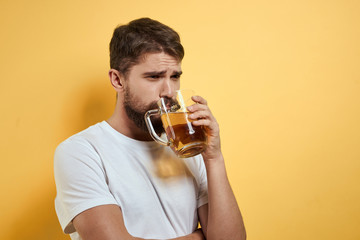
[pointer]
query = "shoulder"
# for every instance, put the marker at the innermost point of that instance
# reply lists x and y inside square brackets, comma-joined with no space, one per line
[81,140]
[78,148]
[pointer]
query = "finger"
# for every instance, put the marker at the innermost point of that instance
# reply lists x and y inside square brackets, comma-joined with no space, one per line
[198,107]
[199,99]
[208,124]
[200,114]
[202,122]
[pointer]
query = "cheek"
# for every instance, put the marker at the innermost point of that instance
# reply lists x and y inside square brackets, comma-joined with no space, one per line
[149,95]
[176,84]
[150,91]
[146,97]
[143,92]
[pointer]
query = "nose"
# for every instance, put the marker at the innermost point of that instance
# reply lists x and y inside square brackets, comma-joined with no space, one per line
[167,89]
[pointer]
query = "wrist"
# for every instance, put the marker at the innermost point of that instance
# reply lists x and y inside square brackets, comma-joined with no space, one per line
[213,158]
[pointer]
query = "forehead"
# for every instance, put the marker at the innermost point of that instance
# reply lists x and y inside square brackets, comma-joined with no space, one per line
[158,62]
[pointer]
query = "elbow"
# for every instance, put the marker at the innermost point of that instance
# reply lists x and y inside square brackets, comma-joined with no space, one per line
[243,235]
[240,235]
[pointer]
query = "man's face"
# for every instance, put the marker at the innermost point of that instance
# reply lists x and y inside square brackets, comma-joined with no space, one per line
[157,75]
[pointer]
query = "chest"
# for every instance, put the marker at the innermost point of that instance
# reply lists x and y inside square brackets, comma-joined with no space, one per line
[154,186]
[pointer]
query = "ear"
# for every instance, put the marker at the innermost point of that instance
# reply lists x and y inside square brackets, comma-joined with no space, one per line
[116,79]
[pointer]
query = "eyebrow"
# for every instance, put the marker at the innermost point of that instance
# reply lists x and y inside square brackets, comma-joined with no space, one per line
[161,73]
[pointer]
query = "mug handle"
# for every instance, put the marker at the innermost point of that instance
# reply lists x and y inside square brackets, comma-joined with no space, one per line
[151,128]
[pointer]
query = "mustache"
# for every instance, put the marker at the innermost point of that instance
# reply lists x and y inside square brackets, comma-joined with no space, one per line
[170,104]
[152,105]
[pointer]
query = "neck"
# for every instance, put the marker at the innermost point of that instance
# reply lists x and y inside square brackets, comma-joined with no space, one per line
[121,123]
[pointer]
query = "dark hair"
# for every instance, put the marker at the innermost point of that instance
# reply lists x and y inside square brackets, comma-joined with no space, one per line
[129,42]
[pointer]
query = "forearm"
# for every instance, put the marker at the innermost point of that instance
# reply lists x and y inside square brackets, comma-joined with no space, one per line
[106,222]
[221,217]
[197,235]
[224,216]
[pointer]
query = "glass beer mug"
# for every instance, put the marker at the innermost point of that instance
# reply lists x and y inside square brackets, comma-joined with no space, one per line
[183,138]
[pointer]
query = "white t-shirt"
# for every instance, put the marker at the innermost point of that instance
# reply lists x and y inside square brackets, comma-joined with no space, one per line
[157,192]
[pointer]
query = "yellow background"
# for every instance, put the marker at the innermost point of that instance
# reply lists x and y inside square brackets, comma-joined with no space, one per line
[282,78]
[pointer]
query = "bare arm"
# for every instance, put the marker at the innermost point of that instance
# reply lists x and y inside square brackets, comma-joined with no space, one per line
[221,217]
[106,223]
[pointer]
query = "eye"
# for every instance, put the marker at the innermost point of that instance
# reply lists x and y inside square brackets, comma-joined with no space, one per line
[153,77]
[176,76]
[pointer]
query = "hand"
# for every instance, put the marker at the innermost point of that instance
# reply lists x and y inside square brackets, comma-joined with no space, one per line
[198,235]
[202,116]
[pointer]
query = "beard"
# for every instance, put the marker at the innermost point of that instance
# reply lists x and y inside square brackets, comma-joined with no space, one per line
[136,112]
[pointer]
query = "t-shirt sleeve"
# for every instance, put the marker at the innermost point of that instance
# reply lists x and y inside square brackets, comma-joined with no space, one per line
[81,181]
[202,183]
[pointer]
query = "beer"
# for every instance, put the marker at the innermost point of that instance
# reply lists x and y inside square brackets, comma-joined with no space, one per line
[185,139]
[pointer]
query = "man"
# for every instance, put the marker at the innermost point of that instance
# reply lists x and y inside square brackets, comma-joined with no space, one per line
[108,177]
